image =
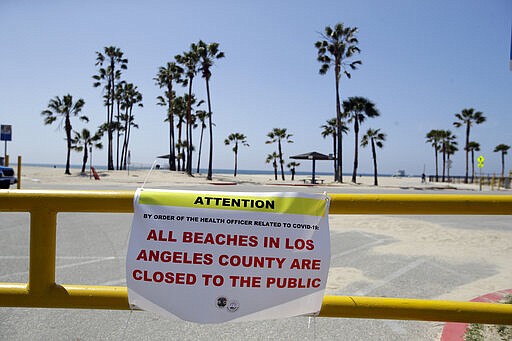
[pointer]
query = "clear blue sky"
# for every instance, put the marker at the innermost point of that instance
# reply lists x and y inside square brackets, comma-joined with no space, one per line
[423,61]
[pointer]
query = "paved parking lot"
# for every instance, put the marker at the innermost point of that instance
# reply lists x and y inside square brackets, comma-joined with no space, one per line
[91,250]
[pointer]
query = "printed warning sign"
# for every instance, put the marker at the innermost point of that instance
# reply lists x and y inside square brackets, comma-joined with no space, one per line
[212,257]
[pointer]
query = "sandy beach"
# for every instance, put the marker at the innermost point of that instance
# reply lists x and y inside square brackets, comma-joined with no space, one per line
[47,176]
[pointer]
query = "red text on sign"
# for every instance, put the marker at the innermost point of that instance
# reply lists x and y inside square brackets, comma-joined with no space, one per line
[305,264]
[178,257]
[251,261]
[220,239]
[300,244]
[166,277]
[245,281]
[161,236]
[292,283]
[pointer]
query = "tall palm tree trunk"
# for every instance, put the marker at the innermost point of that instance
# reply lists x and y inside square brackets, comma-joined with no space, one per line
[437,163]
[179,146]
[123,151]
[472,166]
[118,136]
[110,119]
[502,164]
[334,153]
[444,162]
[172,143]
[200,148]
[210,156]
[467,151]
[172,161]
[375,181]
[189,129]
[68,138]
[281,161]
[356,149]
[338,175]
[127,145]
[236,158]
[86,156]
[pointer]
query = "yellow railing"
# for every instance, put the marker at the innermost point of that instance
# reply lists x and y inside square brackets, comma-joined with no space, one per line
[42,291]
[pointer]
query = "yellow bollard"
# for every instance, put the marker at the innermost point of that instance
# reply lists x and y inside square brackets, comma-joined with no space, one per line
[6,161]
[18,185]
[492,181]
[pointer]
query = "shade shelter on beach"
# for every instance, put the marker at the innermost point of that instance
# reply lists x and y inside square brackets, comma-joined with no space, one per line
[312,156]
[167,157]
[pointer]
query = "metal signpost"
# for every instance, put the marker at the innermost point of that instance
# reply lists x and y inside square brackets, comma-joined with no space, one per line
[480,165]
[6,135]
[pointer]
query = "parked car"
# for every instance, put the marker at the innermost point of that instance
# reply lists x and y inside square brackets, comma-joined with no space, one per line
[7,177]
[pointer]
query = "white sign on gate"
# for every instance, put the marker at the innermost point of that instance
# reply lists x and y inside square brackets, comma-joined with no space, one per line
[212,257]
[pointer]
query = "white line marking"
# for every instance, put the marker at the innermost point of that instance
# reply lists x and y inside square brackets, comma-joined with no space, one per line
[95,260]
[361,247]
[392,276]
[120,281]
[84,263]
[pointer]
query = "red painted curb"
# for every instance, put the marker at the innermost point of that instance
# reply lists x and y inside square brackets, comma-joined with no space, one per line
[454,331]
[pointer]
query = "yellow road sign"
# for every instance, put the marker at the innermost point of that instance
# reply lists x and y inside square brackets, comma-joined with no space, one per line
[480,160]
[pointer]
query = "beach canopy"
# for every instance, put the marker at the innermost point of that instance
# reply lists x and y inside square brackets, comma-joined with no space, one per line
[312,156]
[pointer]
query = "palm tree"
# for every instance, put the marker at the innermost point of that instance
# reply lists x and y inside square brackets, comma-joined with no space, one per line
[451,148]
[84,141]
[330,129]
[179,108]
[180,155]
[376,138]
[473,146]
[189,60]
[165,78]
[201,115]
[357,109]
[467,117]
[503,148]
[446,138]
[292,165]
[236,138]
[273,157]
[207,54]
[130,97]
[65,108]
[120,87]
[337,47]
[113,57]
[278,135]
[434,138]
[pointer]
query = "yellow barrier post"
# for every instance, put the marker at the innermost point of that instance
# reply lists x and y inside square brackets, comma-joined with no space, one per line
[43,236]
[18,185]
